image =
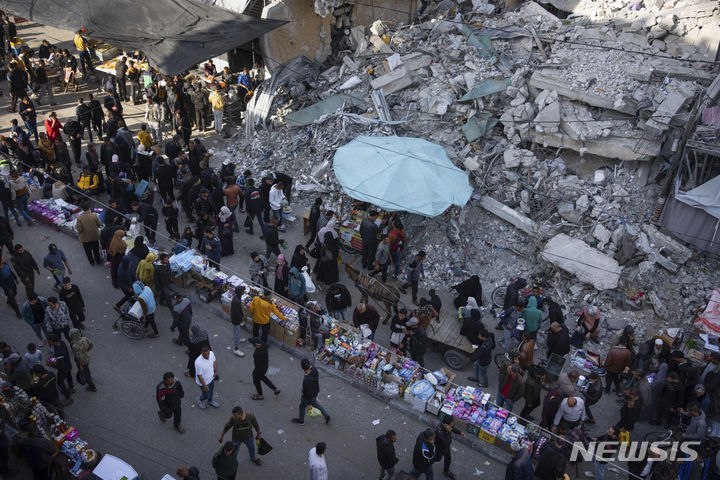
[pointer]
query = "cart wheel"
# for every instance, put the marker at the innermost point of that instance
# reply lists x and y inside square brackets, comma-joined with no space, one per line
[498,296]
[132,330]
[455,359]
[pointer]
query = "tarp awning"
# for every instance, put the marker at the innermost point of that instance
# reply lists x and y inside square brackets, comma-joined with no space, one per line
[709,320]
[173,34]
[401,173]
[706,197]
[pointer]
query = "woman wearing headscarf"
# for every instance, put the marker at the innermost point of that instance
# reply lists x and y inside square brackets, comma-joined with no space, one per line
[198,338]
[146,271]
[299,259]
[281,276]
[326,267]
[226,225]
[469,288]
[126,278]
[588,323]
[466,311]
[116,252]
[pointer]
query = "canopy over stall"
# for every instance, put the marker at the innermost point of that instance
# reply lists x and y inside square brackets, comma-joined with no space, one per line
[173,34]
[694,216]
[401,173]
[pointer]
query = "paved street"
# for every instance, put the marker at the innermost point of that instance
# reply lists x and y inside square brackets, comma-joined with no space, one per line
[121,417]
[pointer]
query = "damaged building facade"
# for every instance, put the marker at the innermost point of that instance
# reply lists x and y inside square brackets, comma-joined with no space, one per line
[580,124]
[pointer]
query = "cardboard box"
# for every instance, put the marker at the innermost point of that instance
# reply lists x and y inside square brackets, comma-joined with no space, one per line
[290,337]
[433,405]
[483,435]
[225,308]
[277,330]
[306,223]
[451,379]
[473,430]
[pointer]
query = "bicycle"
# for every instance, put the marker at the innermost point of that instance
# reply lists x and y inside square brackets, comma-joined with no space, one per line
[498,294]
[668,434]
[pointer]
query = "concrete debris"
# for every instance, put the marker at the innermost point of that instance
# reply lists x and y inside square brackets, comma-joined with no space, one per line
[559,138]
[583,261]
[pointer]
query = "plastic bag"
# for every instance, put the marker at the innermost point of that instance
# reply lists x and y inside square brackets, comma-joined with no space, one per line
[309,285]
[314,412]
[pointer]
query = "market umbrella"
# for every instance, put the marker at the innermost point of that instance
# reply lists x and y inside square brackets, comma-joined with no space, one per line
[401,173]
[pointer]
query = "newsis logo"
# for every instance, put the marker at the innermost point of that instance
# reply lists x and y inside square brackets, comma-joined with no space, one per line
[634,451]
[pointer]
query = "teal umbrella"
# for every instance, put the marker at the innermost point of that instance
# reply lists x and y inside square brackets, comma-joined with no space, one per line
[401,173]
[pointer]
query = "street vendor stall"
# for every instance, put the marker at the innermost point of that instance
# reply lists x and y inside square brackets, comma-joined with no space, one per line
[74,458]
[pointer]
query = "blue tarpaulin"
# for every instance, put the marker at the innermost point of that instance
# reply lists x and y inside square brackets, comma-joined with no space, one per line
[401,173]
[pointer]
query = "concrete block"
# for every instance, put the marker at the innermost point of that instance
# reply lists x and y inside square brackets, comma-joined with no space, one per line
[549,117]
[393,81]
[380,45]
[586,263]
[350,63]
[678,252]
[602,234]
[518,220]
[415,60]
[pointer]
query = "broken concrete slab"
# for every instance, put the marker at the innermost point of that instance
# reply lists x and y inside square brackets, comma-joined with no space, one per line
[477,126]
[517,219]
[543,79]
[616,147]
[416,60]
[380,45]
[602,235]
[677,96]
[678,252]
[310,114]
[580,259]
[393,81]
[548,119]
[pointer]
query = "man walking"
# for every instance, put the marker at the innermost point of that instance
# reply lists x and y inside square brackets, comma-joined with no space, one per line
[242,425]
[57,317]
[415,272]
[88,228]
[310,390]
[81,347]
[169,394]
[55,262]
[62,363]
[205,375]
[25,266]
[443,441]
[70,294]
[225,462]
[317,467]
[259,374]
[424,455]
[386,454]
[617,361]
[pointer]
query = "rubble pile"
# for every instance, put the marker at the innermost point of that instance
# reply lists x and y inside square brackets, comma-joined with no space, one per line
[563,124]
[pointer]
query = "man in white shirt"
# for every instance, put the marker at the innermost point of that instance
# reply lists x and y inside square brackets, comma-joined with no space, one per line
[572,410]
[275,198]
[205,375]
[317,468]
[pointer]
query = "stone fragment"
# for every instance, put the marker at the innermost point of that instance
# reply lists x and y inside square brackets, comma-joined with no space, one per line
[586,263]
[392,81]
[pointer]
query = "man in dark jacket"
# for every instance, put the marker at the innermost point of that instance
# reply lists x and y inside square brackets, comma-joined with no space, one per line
[512,296]
[618,359]
[254,204]
[369,233]
[200,101]
[242,425]
[164,175]
[25,267]
[260,362]
[18,85]
[520,467]
[182,318]
[310,391]
[96,114]
[386,454]
[482,357]
[272,238]
[148,217]
[592,395]
[511,386]
[162,283]
[424,454]
[552,460]
[45,389]
[418,341]
[70,294]
[62,363]
[6,234]
[558,339]
[84,117]
[443,441]
[169,394]
[338,300]
[365,314]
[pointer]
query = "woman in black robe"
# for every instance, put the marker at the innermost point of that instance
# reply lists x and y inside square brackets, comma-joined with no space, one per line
[327,266]
[299,258]
[469,288]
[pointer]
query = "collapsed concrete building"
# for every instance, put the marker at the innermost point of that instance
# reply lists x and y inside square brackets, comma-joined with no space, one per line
[572,118]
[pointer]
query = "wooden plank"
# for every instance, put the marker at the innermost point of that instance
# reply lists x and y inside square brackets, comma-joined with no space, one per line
[447,332]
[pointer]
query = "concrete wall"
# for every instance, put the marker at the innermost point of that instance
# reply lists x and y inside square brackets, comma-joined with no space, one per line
[309,34]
